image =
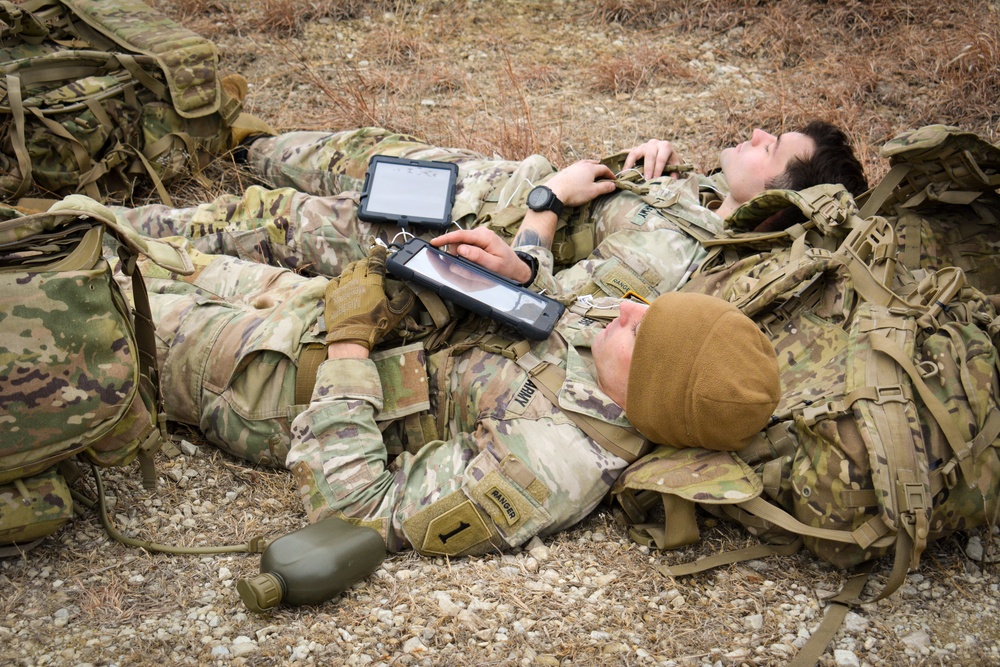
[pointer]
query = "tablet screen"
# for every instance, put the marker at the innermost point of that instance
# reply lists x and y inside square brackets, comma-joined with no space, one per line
[409,190]
[443,268]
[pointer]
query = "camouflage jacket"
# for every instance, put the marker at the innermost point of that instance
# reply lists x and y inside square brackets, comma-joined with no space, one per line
[498,421]
[638,246]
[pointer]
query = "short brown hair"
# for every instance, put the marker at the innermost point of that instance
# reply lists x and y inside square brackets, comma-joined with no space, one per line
[833,161]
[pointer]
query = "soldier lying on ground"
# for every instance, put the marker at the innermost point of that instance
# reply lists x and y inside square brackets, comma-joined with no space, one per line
[628,240]
[490,460]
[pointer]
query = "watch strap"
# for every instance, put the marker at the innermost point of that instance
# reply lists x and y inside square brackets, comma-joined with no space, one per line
[532,264]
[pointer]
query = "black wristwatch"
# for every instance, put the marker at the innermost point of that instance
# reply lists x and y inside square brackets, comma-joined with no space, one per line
[542,199]
[532,264]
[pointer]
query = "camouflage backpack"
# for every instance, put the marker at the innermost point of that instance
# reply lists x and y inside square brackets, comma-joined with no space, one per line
[77,365]
[941,197]
[886,436]
[97,93]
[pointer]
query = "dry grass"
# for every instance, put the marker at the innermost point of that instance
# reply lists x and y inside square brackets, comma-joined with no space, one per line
[470,75]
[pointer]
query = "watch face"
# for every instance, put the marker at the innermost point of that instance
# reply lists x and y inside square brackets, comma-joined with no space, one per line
[538,198]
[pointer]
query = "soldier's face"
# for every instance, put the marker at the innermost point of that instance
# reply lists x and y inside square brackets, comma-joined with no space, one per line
[750,165]
[612,350]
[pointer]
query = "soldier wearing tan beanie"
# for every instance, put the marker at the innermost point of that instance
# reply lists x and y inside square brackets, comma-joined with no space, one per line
[702,374]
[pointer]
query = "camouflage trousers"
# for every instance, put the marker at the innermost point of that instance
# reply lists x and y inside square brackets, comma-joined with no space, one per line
[228,339]
[308,221]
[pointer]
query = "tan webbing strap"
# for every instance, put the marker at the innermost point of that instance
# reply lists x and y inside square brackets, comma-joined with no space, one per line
[145,338]
[679,527]
[873,199]
[18,138]
[961,449]
[873,243]
[730,557]
[162,191]
[133,67]
[988,434]
[434,306]
[624,443]
[310,357]
[837,610]
[779,517]
[911,252]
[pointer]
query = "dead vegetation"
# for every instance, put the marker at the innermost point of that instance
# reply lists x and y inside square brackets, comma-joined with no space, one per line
[573,80]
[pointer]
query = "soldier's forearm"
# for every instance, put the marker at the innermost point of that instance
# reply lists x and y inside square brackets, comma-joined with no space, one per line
[537,229]
[346,351]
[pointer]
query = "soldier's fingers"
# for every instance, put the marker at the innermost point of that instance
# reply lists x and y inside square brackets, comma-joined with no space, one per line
[376,261]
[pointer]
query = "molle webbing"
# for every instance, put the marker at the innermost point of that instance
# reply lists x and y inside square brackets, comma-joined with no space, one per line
[187,60]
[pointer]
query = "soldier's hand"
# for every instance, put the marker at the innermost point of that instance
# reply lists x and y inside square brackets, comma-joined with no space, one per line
[655,156]
[582,182]
[357,307]
[484,247]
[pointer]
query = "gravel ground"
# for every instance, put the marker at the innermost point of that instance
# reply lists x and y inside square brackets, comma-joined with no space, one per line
[586,597]
[589,596]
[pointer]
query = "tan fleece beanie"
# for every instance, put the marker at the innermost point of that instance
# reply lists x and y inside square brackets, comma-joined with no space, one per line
[702,374]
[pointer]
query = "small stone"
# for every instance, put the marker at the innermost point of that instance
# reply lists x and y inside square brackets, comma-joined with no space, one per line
[225,574]
[414,645]
[974,548]
[917,640]
[243,645]
[538,550]
[855,623]
[220,652]
[188,449]
[844,658]
[60,618]
[448,607]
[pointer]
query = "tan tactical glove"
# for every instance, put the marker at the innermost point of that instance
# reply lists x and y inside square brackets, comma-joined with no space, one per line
[357,308]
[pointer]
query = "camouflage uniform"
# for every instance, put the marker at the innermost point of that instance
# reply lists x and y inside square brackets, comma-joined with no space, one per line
[508,465]
[639,242]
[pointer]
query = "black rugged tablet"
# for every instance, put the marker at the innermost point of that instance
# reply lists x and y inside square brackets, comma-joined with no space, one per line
[408,192]
[475,288]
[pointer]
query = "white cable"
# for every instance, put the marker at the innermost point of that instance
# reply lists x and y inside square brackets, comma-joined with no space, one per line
[527,180]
